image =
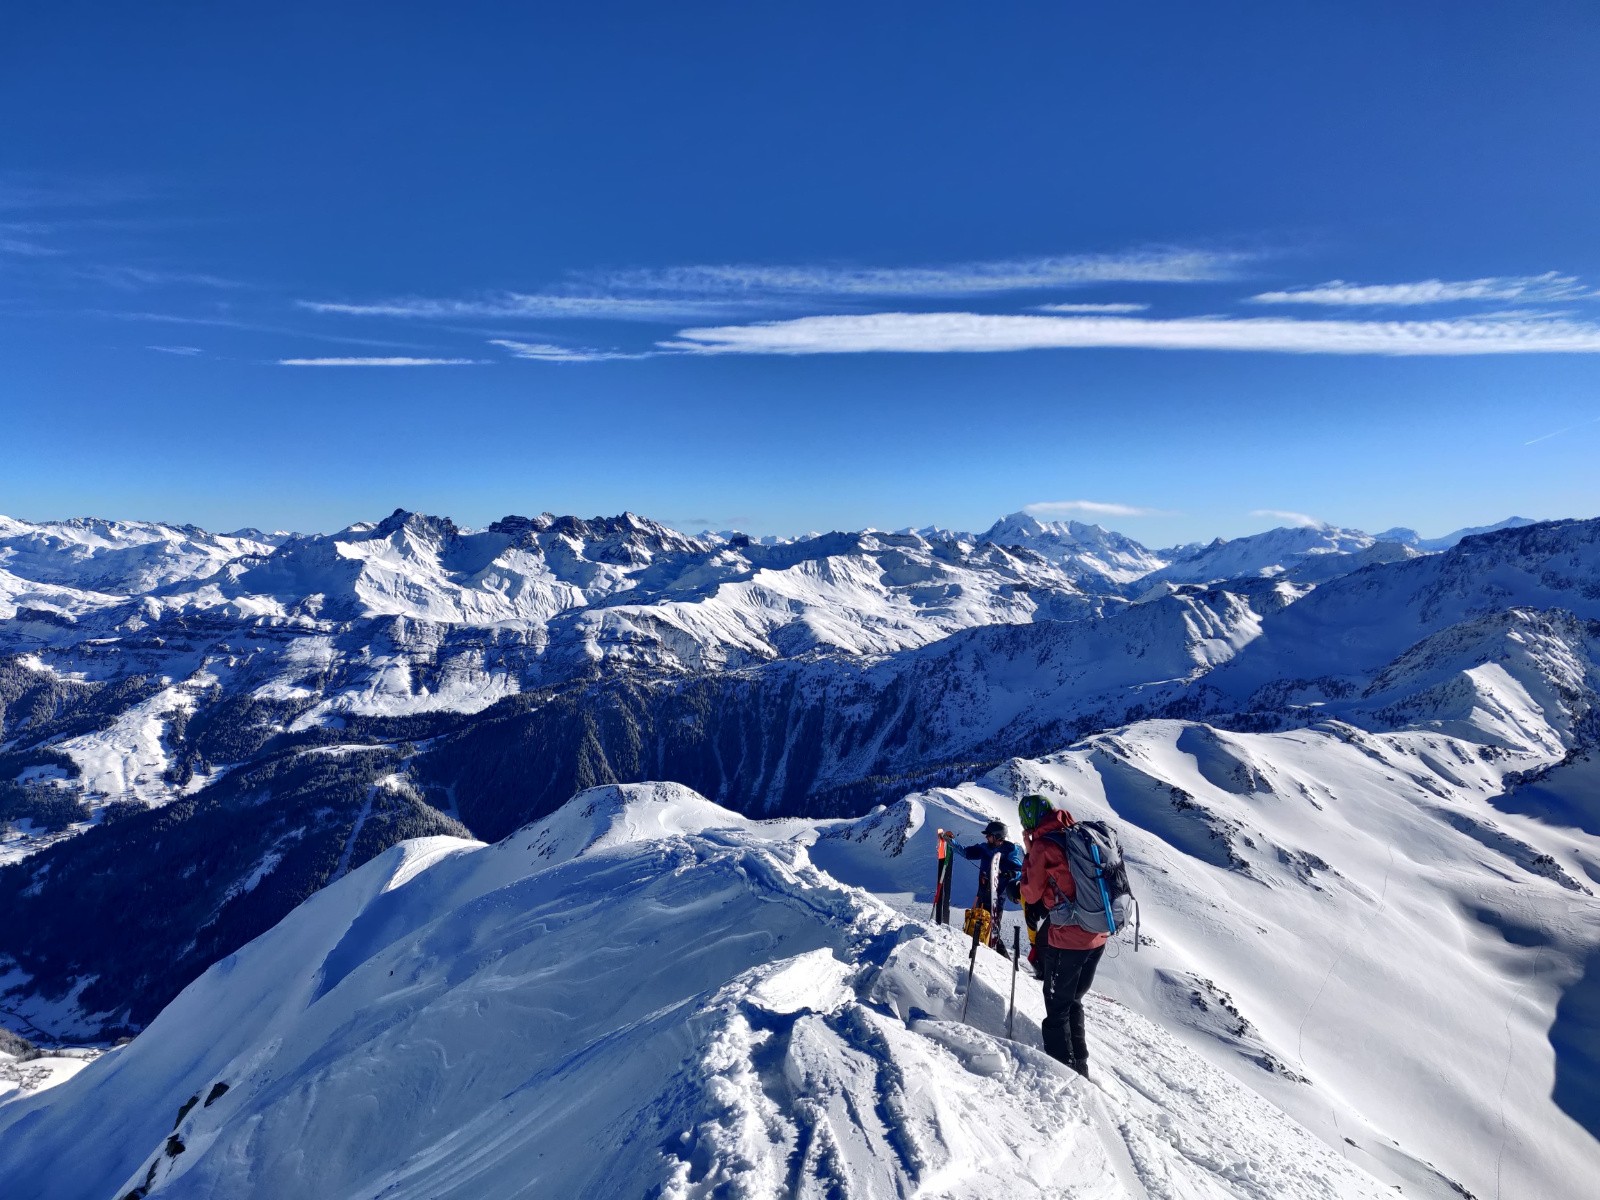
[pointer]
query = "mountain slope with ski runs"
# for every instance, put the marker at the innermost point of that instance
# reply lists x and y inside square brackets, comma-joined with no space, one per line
[370,839]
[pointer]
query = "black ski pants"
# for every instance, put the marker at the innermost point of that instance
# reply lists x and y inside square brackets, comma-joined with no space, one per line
[1067,976]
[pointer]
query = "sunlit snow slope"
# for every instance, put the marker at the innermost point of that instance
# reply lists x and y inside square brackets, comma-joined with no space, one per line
[1345,986]
[1345,922]
[643,995]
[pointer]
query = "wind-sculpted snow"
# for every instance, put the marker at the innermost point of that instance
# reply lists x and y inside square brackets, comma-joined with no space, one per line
[684,1014]
[1352,923]
[1385,971]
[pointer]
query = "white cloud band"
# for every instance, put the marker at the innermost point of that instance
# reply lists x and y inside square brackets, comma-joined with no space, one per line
[547,352]
[744,289]
[960,332]
[1111,309]
[1549,286]
[1164,265]
[1293,518]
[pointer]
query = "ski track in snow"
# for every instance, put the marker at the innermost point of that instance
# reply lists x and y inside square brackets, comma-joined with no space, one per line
[1505,1078]
[1333,963]
[343,869]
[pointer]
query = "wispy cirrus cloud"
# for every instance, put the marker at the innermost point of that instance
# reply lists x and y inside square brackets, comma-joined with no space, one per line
[188,350]
[23,247]
[532,306]
[711,292]
[1304,520]
[1155,265]
[1336,292]
[1093,508]
[548,352]
[1091,308]
[42,209]
[965,332]
[30,190]
[248,327]
[378,362]
[136,278]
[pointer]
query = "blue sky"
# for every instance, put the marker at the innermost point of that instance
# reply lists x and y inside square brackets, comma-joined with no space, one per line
[1174,267]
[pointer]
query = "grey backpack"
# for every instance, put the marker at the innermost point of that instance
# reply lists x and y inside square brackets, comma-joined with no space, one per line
[1104,902]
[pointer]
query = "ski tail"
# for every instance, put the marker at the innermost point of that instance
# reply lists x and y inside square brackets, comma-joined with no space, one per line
[972,970]
[1016,959]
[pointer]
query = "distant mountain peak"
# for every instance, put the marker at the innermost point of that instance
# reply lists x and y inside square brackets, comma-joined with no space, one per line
[1410,537]
[1082,550]
[441,528]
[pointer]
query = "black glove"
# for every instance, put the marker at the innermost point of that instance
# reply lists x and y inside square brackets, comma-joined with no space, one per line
[1035,914]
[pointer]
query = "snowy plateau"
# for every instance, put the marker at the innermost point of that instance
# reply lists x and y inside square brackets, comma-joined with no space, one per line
[588,857]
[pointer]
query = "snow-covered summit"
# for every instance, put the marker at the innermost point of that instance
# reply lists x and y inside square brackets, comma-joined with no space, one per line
[1410,537]
[1305,553]
[617,815]
[1088,553]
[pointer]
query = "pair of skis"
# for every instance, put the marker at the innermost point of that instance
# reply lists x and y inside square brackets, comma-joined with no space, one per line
[945,872]
[941,916]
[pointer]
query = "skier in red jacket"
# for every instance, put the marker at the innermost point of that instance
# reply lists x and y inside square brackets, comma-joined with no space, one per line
[1069,953]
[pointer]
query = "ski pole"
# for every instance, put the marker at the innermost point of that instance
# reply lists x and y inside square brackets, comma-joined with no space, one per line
[1016,957]
[972,966]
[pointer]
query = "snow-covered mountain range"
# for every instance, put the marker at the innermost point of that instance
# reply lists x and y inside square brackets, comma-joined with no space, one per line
[645,993]
[1356,775]
[153,625]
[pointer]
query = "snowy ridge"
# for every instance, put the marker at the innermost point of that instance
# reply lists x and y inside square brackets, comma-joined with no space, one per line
[415,615]
[529,602]
[1307,554]
[123,558]
[1354,625]
[462,1020]
[1333,917]
[48,603]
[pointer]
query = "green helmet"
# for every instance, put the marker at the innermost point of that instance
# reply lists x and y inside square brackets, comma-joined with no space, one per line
[1033,809]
